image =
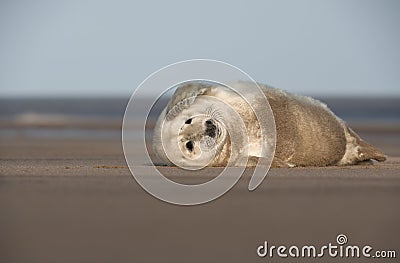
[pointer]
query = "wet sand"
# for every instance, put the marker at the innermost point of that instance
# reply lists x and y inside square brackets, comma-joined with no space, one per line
[74,200]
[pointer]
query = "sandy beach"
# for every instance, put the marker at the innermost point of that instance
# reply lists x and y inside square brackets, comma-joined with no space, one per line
[74,200]
[66,194]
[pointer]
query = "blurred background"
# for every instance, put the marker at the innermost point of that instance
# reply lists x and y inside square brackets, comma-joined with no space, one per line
[106,48]
[68,68]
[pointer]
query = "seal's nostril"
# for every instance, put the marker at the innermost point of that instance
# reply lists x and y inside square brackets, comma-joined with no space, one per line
[210,128]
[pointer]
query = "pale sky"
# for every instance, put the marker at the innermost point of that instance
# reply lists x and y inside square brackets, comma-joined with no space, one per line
[107,48]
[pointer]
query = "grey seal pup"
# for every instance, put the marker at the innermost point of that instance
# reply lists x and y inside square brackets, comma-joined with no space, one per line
[193,130]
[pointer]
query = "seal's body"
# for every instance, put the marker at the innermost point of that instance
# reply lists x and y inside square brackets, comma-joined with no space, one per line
[192,129]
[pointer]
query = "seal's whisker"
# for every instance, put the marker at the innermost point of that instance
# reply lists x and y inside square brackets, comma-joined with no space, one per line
[214,113]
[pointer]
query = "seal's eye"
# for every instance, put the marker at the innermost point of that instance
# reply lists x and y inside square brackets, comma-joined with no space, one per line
[189,146]
[189,121]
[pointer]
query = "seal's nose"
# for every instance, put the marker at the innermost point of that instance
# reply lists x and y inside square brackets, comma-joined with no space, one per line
[210,128]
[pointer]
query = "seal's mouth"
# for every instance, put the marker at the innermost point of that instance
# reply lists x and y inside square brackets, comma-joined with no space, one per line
[211,128]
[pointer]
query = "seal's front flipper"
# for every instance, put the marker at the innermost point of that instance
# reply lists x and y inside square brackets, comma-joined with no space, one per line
[278,163]
[184,96]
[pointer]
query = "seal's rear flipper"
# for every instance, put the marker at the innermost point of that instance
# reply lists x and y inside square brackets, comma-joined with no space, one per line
[357,150]
[367,151]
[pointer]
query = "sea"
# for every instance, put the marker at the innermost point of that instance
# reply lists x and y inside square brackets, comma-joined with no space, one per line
[102,117]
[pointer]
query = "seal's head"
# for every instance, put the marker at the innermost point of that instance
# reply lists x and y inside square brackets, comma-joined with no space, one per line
[196,137]
[199,129]
[200,135]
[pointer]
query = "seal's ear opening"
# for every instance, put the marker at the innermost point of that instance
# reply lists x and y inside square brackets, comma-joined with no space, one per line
[185,96]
